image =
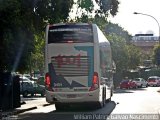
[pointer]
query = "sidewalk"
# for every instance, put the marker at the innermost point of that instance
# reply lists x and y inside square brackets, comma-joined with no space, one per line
[27,104]
[30,104]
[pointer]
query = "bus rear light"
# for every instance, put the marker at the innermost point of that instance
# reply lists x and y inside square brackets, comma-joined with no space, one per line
[48,82]
[95,82]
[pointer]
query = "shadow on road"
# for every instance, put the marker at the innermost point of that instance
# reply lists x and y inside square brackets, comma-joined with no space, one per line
[119,91]
[80,113]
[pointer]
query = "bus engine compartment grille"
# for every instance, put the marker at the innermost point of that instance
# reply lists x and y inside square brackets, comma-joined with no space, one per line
[71,65]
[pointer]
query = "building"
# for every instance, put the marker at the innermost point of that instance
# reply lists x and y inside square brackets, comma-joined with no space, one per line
[145,41]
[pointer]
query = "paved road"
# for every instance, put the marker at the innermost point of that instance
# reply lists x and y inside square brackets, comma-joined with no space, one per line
[125,102]
[142,100]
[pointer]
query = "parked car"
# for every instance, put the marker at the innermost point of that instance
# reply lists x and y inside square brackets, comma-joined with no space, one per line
[38,89]
[154,81]
[25,88]
[25,79]
[31,88]
[27,75]
[41,80]
[141,82]
[127,84]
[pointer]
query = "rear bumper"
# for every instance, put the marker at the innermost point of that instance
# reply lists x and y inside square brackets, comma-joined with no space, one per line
[81,97]
[152,84]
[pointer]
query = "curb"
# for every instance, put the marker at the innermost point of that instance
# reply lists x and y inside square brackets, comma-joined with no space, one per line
[23,110]
[20,110]
[28,109]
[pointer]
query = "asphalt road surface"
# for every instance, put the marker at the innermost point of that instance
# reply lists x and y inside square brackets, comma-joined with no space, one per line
[141,103]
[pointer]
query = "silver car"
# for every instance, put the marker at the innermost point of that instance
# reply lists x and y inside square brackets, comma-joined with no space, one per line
[141,82]
[154,81]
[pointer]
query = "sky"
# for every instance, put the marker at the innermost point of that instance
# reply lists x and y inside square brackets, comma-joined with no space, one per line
[135,24]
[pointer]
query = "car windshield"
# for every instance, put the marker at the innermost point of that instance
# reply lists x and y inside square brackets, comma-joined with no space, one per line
[137,79]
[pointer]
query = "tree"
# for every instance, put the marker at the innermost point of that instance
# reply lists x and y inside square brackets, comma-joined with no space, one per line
[134,56]
[119,51]
[37,56]
[104,7]
[21,20]
[118,30]
[156,54]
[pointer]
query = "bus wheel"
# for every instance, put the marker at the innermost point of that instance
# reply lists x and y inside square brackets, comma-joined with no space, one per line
[111,94]
[102,104]
[104,97]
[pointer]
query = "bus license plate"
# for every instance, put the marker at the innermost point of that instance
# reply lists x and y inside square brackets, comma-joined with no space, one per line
[71,96]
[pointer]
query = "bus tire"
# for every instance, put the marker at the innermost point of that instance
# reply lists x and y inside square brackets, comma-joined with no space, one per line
[104,97]
[103,102]
[111,94]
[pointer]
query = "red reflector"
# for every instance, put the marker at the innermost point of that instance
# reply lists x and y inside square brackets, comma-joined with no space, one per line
[95,82]
[48,82]
[95,78]
[47,79]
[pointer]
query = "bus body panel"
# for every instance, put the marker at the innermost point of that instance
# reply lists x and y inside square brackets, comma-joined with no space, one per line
[71,64]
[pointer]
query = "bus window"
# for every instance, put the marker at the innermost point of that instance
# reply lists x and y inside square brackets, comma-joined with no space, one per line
[70,34]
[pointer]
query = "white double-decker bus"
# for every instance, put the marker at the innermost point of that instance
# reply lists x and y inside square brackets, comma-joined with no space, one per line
[78,65]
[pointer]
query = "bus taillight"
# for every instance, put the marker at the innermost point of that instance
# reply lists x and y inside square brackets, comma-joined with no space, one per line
[48,82]
[95,82]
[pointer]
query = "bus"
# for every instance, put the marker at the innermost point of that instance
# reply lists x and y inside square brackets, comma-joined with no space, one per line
[78,65]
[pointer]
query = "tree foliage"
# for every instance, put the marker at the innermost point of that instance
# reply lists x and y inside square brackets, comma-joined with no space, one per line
[20,21]
[98,7]
[156,54]
[23,23]
[115,28]
[134,56]
[119,51]
[37,56]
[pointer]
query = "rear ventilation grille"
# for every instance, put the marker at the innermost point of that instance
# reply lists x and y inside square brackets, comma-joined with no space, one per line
[71,65]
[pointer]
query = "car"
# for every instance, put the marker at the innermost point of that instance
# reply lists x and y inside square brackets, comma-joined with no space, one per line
[154,81]
[141,82]
[25,79]
[26,88]
[31,88]
[41,80]
[38,89]
[127,84]
[27,75]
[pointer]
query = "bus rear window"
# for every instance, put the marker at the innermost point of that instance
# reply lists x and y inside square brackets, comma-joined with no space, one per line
[70,34]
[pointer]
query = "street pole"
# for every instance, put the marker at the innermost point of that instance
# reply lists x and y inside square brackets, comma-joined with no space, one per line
[155,20]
